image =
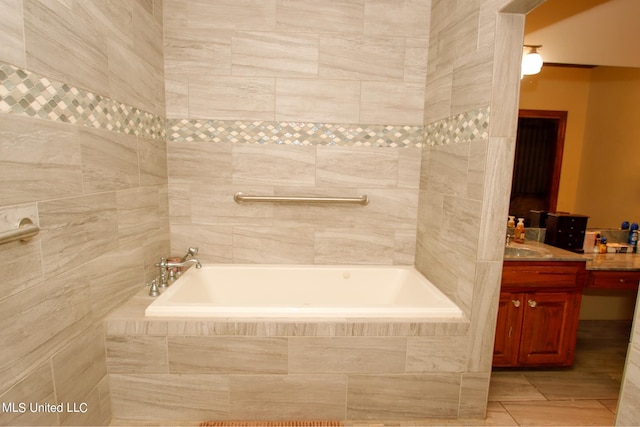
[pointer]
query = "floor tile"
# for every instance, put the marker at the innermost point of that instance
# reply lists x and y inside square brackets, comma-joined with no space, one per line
[555,413]
[512,386]
[574,385]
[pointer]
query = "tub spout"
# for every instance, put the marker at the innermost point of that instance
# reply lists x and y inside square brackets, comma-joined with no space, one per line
[184,263]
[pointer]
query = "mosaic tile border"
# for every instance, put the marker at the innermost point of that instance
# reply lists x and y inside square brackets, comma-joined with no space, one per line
[294,133]
[465,127]
[29,94]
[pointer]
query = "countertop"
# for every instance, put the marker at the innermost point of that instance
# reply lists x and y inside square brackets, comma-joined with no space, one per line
[609,261]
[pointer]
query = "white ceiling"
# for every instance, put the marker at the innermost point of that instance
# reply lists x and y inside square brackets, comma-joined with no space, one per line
[586,32]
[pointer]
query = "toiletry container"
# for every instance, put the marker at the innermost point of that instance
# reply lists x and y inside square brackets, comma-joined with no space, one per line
[511,222]
[518,235]
[566,231]
[633,236]
[538,219]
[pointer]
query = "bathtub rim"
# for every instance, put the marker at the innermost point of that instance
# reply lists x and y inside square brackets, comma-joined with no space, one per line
[294,315]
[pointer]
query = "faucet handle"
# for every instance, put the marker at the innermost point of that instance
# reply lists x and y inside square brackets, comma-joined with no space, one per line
[154,291]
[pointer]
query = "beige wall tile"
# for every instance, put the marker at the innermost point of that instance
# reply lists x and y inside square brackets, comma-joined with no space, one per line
[131,80]
[138,212]
[360,246]
[415,60]
[31,336]
[274,54]
[404,247]
[228,355]
[152,157]
[472,81]
[160,397]
[410,18]
[109,160]
[402,397]
[194,50]
[409,163]
[61,46]
[215,243]
[79,367]
[220,97]
[356,167]
[40,160]
[76,230]
[195,162]
[137,355]
[219,208]
[361,58]
[436,354]
[177,95]
[20,261]
[319,100]
[321,16]
[271,245]
[273,165]
[391,102]
[504,102]
[37,386]
[147,36]
[179,202]
[12,48]
[473,395]
[114,277]
[231,15]
[347,355]
[497,183]
[447,169]
[290,397]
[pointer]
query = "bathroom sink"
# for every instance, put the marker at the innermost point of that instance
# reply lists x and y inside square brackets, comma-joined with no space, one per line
[525,252]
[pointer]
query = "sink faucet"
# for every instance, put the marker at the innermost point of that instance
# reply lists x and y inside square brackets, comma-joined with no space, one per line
[164,267]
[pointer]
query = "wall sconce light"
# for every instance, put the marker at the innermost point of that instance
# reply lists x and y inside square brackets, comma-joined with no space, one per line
[531,61]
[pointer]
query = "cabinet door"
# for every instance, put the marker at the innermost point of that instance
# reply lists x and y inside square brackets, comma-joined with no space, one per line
[507,342]
[549,328]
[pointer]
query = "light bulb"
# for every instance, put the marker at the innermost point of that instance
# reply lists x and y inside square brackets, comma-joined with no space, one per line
[531,63]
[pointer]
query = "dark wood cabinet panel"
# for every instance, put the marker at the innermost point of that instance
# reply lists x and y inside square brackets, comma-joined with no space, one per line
[538,313]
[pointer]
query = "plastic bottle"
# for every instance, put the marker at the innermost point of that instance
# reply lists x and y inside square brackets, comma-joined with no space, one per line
[518,235]
[633,237]
[511,223]
[602,245]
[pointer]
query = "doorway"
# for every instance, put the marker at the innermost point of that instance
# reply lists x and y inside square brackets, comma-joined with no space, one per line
[537,163]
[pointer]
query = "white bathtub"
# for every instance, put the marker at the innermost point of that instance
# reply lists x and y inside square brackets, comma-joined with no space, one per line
[299,291]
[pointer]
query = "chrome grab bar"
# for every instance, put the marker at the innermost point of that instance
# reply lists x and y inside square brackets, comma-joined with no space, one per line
[26,229]
[240,197]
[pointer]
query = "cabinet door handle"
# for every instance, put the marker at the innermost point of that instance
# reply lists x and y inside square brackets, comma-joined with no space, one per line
[516,303]
[532,303]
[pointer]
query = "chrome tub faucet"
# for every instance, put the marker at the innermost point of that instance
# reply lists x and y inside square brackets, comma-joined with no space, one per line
[168,268]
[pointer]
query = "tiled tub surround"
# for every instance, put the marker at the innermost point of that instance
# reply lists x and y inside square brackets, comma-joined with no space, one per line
[347,369]
[204,176]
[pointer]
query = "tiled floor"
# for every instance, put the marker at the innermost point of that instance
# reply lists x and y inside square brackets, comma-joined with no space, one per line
[585,394]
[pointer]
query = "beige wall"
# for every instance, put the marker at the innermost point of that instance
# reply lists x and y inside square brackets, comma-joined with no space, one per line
[609,173]
[93,180]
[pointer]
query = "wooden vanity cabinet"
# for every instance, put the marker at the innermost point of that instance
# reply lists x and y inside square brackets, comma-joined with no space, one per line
[538,313]
[613,279]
